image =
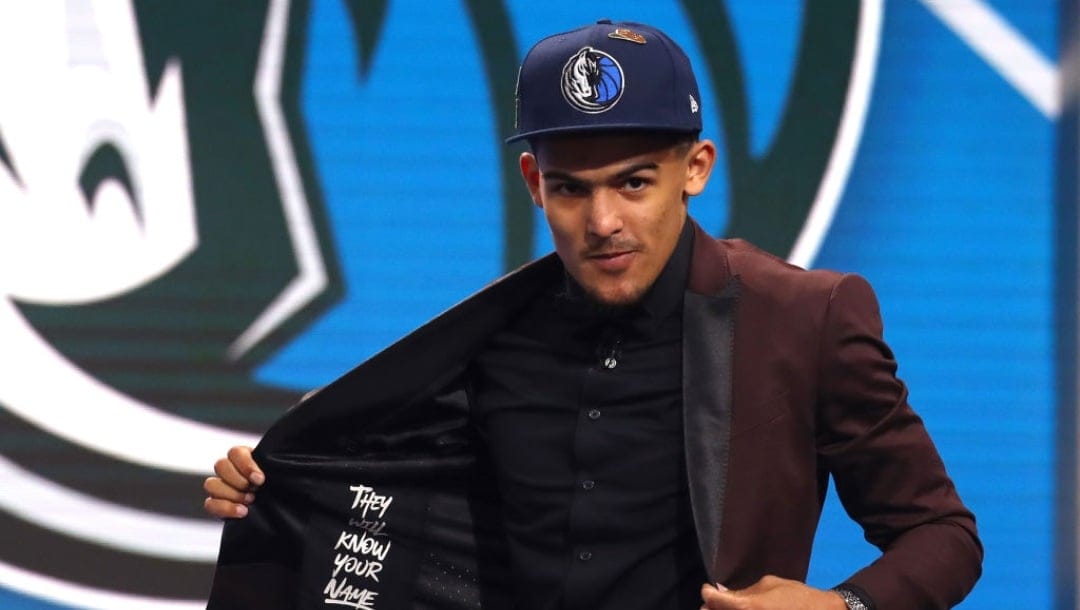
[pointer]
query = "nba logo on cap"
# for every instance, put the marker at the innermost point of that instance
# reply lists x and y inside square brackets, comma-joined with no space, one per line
[592,81]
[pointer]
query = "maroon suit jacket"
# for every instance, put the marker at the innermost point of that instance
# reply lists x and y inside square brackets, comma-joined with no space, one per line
[787,381]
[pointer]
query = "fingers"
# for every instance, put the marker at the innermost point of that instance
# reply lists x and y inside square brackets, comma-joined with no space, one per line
[718,597]
[220,490]
[224,501]
[239,469]
[224,509]
[770,593]
[241,460]
[229,493]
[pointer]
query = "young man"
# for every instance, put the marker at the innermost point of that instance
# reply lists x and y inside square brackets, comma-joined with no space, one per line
[647,419]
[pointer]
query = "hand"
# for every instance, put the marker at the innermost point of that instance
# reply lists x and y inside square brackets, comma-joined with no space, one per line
[232,490]
[771,593]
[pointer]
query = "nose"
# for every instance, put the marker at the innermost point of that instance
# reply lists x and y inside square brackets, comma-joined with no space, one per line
[605,217]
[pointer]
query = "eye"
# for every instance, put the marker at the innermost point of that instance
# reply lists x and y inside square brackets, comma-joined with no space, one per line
[569,189]
[635,183]
[107,163]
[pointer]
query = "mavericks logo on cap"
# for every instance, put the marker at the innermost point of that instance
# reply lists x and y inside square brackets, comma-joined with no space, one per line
[592,81]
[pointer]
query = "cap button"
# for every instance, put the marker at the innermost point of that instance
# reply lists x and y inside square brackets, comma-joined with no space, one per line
[603,22]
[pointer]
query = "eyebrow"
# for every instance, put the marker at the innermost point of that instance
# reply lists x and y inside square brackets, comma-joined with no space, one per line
[626,173]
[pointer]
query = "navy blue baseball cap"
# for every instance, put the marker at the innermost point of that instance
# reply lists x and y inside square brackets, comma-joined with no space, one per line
[606,77]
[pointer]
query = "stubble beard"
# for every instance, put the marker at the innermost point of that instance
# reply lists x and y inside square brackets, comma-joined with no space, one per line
[597,304]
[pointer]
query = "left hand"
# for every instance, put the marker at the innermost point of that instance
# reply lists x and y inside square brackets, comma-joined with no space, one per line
[771,593]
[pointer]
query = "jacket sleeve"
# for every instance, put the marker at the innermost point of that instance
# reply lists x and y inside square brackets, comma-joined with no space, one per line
[887,471]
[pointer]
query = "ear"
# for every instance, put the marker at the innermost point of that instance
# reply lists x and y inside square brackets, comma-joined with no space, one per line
[530,173]
[699,166]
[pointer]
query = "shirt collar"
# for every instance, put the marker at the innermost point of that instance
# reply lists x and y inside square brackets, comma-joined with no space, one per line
[665,296]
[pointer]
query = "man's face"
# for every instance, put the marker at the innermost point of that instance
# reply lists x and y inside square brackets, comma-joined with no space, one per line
[615,205]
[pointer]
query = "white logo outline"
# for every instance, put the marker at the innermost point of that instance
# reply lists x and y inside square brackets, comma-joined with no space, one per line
[578,81]
[168,442]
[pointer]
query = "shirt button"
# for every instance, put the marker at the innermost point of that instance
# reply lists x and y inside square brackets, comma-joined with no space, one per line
[610,362]
[588,484]
[584,555]
[594,414]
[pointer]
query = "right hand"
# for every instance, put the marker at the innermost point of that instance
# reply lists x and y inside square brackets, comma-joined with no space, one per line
[233,489]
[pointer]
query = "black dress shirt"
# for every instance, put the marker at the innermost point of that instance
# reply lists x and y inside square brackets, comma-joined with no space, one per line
[581,409]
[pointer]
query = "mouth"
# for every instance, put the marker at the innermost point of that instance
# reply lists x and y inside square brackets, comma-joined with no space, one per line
[612,262]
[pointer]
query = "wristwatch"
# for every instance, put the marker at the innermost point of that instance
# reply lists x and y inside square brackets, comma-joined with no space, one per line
[853,601]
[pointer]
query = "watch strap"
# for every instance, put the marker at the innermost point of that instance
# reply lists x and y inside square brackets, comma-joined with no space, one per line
[854,597]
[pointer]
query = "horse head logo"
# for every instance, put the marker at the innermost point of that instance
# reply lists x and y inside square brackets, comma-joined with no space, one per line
[592,81]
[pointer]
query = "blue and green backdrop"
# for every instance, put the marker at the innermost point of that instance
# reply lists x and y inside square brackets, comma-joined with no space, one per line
[208,208]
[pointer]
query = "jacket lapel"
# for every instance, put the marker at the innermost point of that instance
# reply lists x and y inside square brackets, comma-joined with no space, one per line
[708,338]
[418,364]
[708,351]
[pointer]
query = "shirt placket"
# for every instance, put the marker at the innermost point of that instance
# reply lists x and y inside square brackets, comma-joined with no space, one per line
[586,518]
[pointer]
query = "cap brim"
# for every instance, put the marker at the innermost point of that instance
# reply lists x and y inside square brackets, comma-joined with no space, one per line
[600,129]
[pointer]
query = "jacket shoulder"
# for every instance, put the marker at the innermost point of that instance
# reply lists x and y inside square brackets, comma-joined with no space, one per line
[762,273]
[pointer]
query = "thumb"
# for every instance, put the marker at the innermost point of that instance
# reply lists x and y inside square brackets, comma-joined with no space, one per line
[717,597]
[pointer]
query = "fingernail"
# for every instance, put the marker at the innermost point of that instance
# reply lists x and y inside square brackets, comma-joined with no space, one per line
[721,587]
[241,511]
[249,498]
[258,478]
